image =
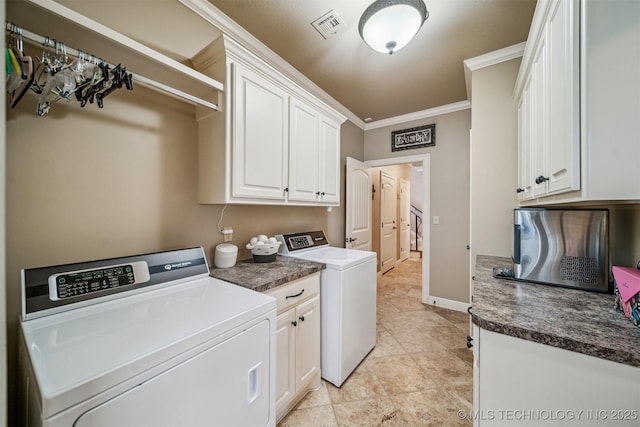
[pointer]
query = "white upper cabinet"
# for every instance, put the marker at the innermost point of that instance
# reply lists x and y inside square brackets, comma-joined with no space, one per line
[563,137]
[274,144]
[260,129]
[303,153]
[578,123]
[329,156]
[314,156]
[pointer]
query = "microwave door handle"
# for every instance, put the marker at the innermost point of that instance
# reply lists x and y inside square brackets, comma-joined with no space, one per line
[516,243]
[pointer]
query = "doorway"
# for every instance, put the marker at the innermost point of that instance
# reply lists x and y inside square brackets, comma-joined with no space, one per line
[420,162]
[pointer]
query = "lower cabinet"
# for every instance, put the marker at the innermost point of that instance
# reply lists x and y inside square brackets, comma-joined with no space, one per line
[297,341]
[520,382]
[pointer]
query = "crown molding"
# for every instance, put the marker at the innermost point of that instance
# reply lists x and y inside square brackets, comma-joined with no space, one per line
[233,30]
[489,59]
[418,115]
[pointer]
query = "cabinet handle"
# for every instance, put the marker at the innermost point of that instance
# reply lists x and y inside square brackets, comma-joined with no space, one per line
[322,194]
[294,323]
[294,296]
[317,194]
[469,342]
[519,190]
[286,190]
[541,179]
[301,318]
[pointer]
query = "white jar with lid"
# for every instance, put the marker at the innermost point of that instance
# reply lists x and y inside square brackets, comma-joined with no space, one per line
[226,255]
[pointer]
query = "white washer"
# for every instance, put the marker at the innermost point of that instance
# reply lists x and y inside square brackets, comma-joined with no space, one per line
[347,301]
[170,347]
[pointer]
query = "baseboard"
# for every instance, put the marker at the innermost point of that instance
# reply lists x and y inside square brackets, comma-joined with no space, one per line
[447,303]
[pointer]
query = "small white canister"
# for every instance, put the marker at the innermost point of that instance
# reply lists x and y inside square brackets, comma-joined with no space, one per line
[226,255]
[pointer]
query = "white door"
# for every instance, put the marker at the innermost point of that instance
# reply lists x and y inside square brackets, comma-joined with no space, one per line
[405,219]
[358,206]
[388,227]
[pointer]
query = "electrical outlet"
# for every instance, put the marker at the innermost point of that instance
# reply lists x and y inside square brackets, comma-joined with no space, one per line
[227,234]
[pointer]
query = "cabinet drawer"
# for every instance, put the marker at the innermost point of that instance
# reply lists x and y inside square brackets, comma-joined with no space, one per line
[297,291]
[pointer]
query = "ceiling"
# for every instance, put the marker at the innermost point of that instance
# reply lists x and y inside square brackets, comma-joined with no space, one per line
[427,73]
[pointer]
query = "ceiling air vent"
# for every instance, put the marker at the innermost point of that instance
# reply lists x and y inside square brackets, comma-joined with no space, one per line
[328,24]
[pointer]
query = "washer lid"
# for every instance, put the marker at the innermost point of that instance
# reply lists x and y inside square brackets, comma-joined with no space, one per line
[336,258]
[84,352]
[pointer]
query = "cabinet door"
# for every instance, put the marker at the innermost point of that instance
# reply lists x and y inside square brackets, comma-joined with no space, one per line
[563,143]
[525,174]
[307,341]
[329,161]
[539,119]
[285,359]
[303,153]
[260,136]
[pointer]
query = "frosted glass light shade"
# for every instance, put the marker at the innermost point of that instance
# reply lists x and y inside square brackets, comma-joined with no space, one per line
[389,25]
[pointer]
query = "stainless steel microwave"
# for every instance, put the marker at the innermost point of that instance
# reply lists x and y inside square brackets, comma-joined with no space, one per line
[563,247]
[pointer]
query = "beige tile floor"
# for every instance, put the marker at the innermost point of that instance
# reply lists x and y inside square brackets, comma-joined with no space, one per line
[419,373]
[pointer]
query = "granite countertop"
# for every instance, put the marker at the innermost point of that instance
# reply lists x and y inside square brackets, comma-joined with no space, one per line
[261,277]
[580,321]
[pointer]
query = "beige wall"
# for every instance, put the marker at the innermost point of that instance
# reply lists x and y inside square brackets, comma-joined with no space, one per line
[87,184]
[494,159]
[449,197]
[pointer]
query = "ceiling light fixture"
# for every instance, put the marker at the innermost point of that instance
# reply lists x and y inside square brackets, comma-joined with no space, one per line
[389,25]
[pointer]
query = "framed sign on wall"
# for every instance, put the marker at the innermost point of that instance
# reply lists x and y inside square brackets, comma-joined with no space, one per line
[418,137]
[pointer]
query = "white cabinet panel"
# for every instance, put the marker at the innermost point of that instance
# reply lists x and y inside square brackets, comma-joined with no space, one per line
[285,357]
[539,120]
[308,341]
[578,72]
[303,156]
[563,140]
[541,381]
[329,161]
[297,341]
[260,126]
[273,143]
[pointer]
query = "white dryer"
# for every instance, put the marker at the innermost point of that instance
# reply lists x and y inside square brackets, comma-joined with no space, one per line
[148,340]
[347,301]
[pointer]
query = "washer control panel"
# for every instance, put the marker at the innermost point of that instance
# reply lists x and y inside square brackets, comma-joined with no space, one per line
[301,241]
[82,282]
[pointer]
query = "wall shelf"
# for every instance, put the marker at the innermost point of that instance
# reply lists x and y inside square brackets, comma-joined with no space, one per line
[53,20]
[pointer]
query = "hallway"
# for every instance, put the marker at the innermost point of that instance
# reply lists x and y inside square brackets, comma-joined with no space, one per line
[419,374]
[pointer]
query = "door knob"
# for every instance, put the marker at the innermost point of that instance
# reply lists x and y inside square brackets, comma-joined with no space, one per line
[294,323]
[301,318]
